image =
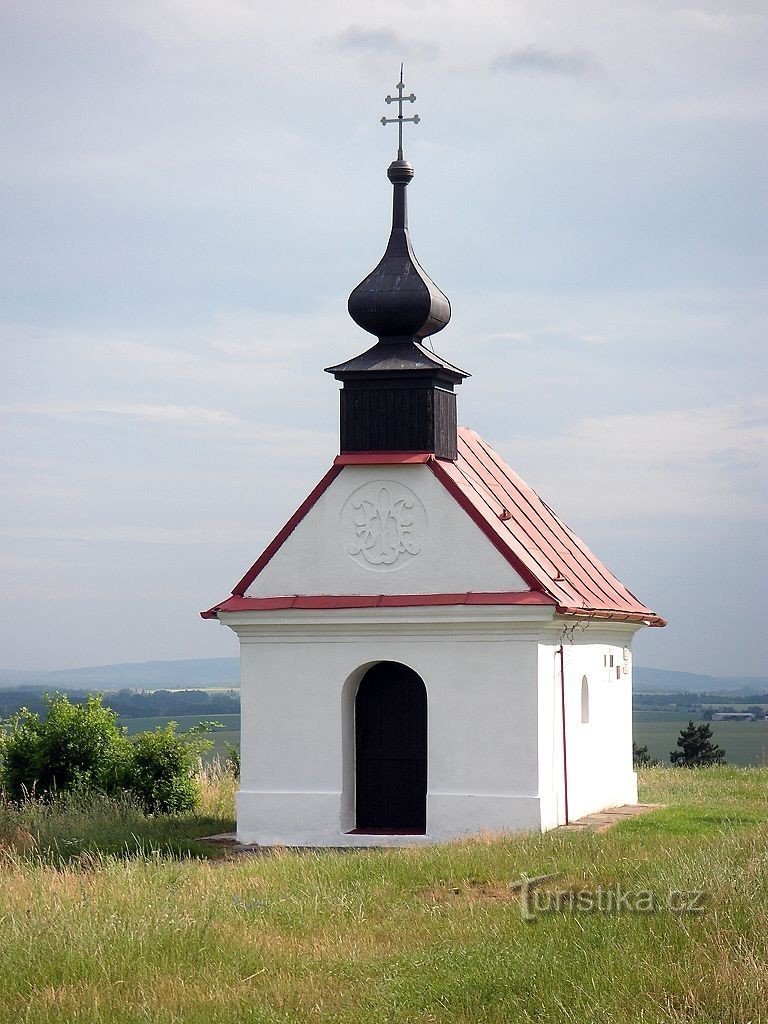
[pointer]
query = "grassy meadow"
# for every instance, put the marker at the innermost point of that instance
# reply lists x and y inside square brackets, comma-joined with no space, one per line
[74,829]
[106,916]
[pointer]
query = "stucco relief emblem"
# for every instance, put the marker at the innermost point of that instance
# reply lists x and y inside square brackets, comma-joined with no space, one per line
[384,525]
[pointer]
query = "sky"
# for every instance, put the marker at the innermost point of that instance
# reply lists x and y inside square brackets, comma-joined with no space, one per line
[189,190]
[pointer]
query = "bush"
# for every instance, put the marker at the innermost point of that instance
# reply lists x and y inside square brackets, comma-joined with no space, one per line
[163,764]
[76,746]
[81,748]
[232,760]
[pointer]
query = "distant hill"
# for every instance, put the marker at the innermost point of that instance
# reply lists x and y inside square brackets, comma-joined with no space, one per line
[662,680]
[202,672]
[150,675]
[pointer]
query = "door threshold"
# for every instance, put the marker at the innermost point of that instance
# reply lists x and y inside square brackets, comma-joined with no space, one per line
[386,832]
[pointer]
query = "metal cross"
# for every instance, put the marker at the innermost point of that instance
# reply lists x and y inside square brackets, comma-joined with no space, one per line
[400,120]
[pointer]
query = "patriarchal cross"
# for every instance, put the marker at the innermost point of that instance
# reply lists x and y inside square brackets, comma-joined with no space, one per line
[400,120]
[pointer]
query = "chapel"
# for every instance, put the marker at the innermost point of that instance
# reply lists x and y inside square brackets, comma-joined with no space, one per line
[427,650]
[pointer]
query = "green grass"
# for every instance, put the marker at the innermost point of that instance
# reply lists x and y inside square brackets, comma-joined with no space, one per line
[745,743]
[401,936]
[75,827]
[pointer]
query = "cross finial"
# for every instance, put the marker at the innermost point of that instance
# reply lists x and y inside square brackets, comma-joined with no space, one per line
[400,120]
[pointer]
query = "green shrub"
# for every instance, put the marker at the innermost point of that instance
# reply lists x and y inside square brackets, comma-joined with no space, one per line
[232,760]
[162,769]
[81,748]
[76,746]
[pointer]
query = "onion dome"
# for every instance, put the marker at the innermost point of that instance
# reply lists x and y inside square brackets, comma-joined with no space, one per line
[398,299]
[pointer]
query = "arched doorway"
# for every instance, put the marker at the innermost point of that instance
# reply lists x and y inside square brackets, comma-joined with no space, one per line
[391,750]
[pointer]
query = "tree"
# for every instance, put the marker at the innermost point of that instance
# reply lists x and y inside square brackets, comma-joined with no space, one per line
[696,747]
[640,756]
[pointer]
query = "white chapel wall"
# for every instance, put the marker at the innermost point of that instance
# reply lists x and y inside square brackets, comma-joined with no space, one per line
[428,545]
[482,746]
[599,751]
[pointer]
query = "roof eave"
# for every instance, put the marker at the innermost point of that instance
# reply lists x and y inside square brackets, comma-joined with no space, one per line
[239,603]
[644,618]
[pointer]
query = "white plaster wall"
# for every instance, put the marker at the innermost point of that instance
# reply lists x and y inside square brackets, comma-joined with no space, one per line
[495,754]
[453,556]
[550,739]
[483,752]
[599,753]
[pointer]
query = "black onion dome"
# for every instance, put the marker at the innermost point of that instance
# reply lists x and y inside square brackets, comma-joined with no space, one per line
[398,300]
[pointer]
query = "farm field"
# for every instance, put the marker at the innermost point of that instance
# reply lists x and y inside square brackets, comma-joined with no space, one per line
[745,743]
[215,690]
[221,737]
[408,936]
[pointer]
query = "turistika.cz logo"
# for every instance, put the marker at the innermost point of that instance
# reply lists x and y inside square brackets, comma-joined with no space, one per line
[539,897]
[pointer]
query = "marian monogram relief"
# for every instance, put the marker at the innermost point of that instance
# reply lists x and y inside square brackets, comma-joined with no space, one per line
[384,525]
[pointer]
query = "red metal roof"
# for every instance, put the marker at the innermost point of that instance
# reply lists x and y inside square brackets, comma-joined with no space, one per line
[557,566]
[538,544]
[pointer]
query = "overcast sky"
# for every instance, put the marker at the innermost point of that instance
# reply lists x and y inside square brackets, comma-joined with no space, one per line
[189,189]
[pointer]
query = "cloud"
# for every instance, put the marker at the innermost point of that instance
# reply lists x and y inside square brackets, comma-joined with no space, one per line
[381,40]
[692,468]
[519,336]
[737,107]
[572,64]
[719,22]
[120,534]
[155,413]
[375,39]
[174,299]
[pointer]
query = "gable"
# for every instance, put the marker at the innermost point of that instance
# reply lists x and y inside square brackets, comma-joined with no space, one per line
[385,530]
[407,528]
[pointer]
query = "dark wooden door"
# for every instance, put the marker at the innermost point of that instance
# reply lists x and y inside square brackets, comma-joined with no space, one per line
[391,750]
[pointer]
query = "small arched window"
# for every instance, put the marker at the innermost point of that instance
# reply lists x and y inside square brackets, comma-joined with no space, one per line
[584,700]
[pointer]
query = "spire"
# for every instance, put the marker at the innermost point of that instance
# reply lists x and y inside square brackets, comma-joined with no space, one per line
[398,299]
[398,396]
